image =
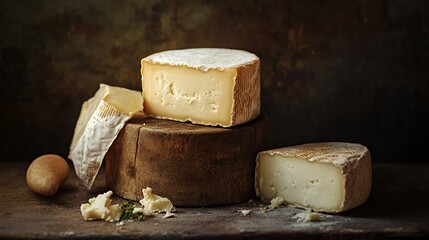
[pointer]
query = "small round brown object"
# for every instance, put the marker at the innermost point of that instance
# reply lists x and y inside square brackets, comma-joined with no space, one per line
[46,174]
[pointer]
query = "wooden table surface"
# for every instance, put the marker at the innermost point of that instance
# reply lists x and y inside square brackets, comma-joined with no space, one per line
[397,208]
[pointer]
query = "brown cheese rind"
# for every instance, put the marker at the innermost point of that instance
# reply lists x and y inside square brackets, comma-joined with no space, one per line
[358,181]
[247,94]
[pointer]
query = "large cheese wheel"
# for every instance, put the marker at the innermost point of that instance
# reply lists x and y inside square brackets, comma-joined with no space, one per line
[208,86]
[192,165]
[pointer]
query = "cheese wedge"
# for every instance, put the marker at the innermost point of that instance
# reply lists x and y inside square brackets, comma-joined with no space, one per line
[327,177]
[100,121]
[209,86]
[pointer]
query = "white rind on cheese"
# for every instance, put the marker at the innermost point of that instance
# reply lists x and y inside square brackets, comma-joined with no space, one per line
[208,86]
[101,119]
[327,177]
[203,59]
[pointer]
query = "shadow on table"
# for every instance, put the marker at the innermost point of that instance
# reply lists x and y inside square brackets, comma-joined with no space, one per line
[71,194]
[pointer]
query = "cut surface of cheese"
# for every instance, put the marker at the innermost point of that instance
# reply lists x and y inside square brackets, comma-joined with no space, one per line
[101,119]
[209,86]
[190,164]
[327,176]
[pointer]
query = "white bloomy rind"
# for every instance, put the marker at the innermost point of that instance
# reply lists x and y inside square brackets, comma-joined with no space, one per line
[101,119]
[326,177]
[203,58]
[208,86]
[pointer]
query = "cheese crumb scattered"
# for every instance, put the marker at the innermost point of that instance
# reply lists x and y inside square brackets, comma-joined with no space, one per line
[101,208]
[144,211]
[169,215]
[266,209]
[245,212]
[277,202]
[306,217]
[156,204]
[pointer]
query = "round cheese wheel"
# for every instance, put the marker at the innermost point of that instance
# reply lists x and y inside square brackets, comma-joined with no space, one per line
[192,165]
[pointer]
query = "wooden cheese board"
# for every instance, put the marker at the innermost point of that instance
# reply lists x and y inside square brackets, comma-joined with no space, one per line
[192,165]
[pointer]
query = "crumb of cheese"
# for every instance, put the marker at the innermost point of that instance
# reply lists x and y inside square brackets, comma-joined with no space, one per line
[100,208]
[156,204]
[245,212]
[307,217]
[276,202]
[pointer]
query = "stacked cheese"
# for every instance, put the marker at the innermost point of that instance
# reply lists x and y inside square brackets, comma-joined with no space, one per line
[212,160]
[200,163]
[205,86]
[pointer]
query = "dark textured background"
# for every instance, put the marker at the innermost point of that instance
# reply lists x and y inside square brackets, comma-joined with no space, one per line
[352,71]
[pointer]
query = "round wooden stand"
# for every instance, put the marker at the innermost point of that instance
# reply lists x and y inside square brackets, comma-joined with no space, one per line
[192,165]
